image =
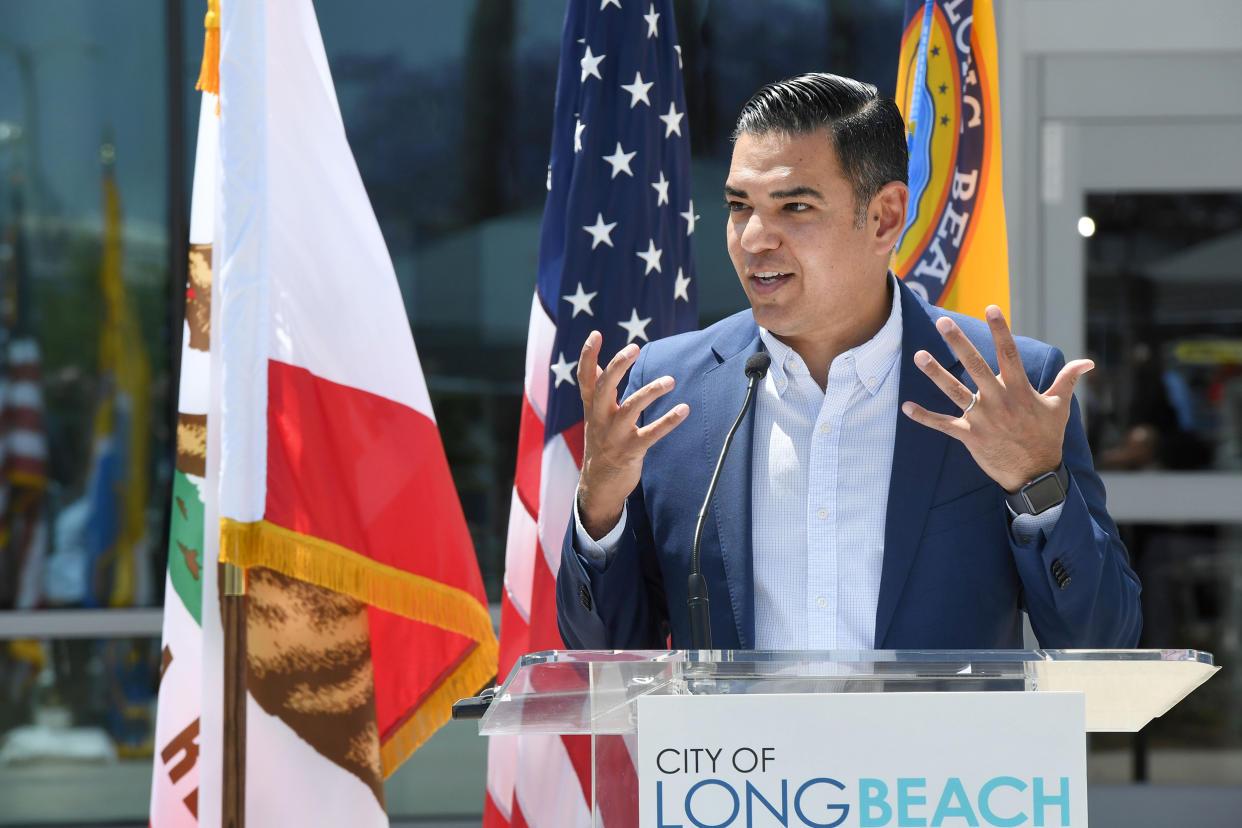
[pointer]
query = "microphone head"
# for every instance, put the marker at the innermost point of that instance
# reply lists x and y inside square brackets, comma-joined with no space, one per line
[757,364]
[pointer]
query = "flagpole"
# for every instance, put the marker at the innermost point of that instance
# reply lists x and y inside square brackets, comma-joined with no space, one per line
[233,617]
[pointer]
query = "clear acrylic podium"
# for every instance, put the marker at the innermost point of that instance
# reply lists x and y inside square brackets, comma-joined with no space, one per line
[595,693]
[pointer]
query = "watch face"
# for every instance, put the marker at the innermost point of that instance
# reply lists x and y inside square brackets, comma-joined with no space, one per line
[1043,493]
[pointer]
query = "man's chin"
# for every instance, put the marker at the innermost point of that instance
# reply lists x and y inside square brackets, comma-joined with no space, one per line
[769,318]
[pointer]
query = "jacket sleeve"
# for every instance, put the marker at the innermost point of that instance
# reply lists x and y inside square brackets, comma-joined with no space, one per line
[1097,605]
[620,606]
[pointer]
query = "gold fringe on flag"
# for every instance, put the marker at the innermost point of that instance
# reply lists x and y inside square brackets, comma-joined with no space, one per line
[334,567]
[209,73]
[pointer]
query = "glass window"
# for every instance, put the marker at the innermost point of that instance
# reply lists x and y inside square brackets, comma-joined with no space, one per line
[85,390]
[1164,307]
[84,264]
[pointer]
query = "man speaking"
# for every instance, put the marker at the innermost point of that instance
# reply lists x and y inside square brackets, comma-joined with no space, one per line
[907,478]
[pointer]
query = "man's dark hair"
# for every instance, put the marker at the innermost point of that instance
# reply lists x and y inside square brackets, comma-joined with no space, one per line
[868,133]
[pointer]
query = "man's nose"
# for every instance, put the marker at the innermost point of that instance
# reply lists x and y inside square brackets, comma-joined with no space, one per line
[758,236]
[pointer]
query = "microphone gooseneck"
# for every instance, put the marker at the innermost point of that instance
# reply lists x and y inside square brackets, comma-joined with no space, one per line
[696,588]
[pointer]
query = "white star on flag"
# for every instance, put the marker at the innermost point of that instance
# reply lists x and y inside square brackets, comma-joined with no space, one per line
[672,120]
[680,286]
[620,160]
[581,301]
[638,90]
[651,257]
[590,66]
[678,48]
[579,128]
[690,218]
[661,188]
[599,231]
[635,327]
[564,370]
[606,3]
[652,17]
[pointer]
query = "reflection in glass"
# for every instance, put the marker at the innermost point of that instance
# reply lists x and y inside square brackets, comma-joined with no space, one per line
[84,388]
[1164,310]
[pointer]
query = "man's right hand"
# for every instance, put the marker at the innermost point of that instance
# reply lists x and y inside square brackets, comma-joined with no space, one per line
[612,460]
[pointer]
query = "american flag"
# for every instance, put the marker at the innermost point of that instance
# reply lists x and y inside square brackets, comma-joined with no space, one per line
[615,255]
[23,436]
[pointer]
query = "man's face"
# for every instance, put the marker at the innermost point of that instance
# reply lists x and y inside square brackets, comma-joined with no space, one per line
[792,236]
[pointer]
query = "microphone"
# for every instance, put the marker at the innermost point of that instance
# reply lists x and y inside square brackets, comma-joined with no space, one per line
[696,588]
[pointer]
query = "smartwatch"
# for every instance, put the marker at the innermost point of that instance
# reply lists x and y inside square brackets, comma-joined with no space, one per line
[1040,494]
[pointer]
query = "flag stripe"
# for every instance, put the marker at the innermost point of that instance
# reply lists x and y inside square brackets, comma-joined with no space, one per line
[27,443]
[25,394]
[554,796]
[523,534]
[530,447]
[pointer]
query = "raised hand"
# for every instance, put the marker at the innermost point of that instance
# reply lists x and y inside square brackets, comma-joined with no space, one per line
[612,460]
[1012,430]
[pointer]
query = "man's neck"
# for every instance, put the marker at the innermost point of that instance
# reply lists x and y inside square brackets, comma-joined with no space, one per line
[865,319]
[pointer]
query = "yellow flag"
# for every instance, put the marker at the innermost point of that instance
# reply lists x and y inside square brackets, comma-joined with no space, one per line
[954,252]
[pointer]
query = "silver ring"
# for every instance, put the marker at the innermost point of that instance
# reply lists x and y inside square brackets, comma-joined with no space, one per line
[974,398]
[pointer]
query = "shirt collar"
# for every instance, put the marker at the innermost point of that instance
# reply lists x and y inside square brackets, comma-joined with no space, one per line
[872,360]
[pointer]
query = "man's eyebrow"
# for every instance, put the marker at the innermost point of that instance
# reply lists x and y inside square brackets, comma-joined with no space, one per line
[797,191]
[735,192]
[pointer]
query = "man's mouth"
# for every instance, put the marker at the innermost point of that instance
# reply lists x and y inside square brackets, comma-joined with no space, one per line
[770,277]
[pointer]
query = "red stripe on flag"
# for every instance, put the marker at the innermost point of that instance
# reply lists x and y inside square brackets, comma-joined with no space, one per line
[30,419]
[514,636]
[618,797]
[24,371]
[26,465]
[544,632]
[529,463]
[492,817]
[579,750]
[574,436]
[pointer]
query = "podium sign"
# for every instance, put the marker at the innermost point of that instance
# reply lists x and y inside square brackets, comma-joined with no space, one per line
[862,760]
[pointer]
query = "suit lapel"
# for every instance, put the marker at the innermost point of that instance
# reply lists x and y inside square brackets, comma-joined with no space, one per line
[724,390]
[918,453]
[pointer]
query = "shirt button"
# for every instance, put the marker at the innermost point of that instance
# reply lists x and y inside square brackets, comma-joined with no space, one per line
[822,602]
[826,428]
[871,382]
[822,513]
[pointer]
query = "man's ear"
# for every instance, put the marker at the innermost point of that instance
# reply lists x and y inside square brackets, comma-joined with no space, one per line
[886,216]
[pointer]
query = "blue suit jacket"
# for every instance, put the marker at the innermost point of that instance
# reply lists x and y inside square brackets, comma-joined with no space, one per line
[952,576]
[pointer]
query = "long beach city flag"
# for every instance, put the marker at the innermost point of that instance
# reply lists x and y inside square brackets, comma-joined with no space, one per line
[954,251]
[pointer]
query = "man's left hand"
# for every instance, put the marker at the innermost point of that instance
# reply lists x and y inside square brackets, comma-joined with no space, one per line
[1013,431]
